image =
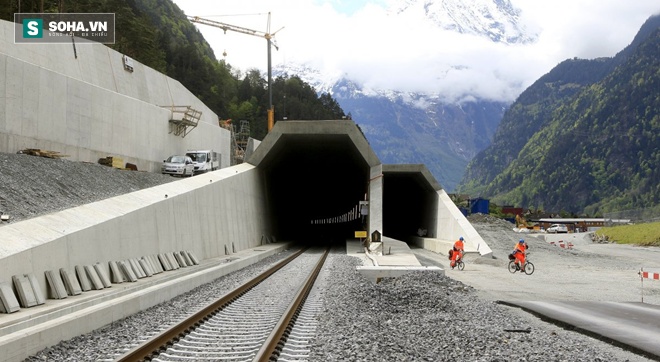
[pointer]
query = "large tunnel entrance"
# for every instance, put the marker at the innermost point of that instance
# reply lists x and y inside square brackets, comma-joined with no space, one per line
[314,184]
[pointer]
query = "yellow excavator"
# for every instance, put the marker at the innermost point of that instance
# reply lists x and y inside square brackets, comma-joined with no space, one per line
[521,222]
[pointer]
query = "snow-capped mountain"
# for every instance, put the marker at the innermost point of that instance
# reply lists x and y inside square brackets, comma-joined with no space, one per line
[427,127]
[496,19]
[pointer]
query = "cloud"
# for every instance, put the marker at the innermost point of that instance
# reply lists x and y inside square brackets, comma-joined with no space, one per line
[383,50]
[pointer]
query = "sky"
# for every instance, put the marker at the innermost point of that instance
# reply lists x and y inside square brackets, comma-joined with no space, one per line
[361,40]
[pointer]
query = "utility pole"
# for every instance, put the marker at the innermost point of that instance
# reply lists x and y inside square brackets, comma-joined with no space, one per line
[268,36]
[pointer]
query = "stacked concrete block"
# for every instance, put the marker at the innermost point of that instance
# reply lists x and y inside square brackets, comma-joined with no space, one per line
[36,288]
[127,271]
[186,258]
[155,263]
[55,284]
[180,259]
[165,262]
[173,262]
[137,270]
[94,278]
[102,275]
[145,267]
[26,297]
[8,301]
[192,257]
[70,282]
[85,285]
[116,275]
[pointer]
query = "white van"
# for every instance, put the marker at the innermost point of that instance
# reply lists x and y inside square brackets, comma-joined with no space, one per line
[204,160]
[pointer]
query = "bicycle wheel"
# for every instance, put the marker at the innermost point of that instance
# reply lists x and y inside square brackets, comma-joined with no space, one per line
[529,268]
[460,265]
[512,266]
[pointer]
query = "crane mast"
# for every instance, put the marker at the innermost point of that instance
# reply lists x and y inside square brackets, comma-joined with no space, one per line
[266,35]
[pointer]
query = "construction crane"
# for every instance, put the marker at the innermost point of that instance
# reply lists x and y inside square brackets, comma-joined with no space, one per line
[267,35]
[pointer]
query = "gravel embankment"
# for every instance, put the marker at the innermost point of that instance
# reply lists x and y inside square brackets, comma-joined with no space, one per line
[32,186]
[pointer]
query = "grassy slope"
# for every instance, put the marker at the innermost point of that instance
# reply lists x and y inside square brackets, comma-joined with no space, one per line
[641,234]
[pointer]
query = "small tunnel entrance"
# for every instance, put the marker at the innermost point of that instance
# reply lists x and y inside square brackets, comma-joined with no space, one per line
[409,202]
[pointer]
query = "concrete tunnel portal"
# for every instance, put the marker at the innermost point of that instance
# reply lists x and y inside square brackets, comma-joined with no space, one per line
[315,174]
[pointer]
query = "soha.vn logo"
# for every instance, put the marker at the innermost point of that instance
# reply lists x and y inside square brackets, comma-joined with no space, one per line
[33,28]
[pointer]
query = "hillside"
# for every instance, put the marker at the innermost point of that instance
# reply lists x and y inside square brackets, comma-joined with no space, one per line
[584,138]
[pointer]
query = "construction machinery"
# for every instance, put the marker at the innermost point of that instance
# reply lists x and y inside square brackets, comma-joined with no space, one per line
[266,35]
[521,222]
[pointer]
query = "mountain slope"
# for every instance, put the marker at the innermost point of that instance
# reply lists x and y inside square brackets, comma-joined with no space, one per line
[421,127]
[570,145]
[444,137]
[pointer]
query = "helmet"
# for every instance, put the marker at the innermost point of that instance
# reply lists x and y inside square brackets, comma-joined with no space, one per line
[522,241]
[461,238]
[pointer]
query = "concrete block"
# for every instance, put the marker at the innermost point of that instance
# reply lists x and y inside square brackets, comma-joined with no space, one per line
[26,296]
[193,258]
[94,278]
[158,267]
[137,269]
[36,288]
[115,274]
[85,284]
[70,282]
[173,262]
[8,298]
[180,259]
[127,271]
[57,289]
[102,275]
[145,267]
[165,262]
[186,257]
[375,273]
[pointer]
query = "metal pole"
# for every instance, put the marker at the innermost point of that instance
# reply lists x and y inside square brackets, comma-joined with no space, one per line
[270,76]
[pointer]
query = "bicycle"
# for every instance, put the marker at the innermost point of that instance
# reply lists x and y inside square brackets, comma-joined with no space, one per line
[459,263]
[528,267]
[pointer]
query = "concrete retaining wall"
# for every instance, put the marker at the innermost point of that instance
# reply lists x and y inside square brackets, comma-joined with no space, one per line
[208,214]
[451,225]
[86,105]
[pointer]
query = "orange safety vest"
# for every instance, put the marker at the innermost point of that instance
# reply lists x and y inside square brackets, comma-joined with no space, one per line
[458,245]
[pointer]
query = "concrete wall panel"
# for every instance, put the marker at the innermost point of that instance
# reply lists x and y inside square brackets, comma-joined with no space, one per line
[139,224]
[90,107]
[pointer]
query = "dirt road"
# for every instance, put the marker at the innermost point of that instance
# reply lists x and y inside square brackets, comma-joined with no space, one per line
[586,272]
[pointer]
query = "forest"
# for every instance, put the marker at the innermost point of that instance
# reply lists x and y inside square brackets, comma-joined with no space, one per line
[158,34]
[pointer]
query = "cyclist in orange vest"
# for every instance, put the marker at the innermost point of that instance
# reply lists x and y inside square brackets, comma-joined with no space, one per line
[457,252]
[519,253]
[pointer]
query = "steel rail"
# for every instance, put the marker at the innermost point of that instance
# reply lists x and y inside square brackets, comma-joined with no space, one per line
[271,348]
[152,347]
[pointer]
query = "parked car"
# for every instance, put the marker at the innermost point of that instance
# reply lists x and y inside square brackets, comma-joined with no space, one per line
[557,228]
[178,166]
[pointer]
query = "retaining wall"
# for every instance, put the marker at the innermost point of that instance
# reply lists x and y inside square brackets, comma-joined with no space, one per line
[211,215]
[84,104]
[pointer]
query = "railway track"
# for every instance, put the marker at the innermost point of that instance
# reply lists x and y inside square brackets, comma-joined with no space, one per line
[255,322]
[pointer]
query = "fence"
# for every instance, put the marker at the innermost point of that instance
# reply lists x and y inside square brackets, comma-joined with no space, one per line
[634,216]
[654,275]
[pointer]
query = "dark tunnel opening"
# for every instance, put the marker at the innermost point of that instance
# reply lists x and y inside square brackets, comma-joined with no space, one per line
[408,203]
[314,184]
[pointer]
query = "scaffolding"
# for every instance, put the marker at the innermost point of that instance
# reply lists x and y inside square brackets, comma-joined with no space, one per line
[240,135]
[183,119]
